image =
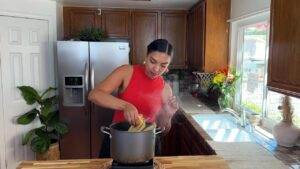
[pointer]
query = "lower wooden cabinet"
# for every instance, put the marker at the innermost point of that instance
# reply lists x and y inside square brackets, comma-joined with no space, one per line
[183,139]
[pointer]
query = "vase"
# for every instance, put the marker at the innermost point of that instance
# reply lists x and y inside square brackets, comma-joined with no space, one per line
[225,102]
[52,153]
[286,134]
[221,103]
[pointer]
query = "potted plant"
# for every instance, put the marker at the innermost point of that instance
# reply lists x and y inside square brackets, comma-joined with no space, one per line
[285,132]
[44,139]
[90,34]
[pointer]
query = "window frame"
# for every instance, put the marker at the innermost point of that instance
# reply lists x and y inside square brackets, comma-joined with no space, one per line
[236,59]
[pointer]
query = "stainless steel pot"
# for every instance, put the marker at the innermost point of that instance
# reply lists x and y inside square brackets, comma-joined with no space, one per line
[131,147]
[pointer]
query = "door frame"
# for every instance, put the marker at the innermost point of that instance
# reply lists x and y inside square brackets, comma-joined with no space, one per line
[52,36]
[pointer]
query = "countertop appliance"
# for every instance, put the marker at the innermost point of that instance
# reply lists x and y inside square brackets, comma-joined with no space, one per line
[81,66]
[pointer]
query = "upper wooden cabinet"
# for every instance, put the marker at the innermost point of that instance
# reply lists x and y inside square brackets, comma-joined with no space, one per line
[144,31]
[76,19]
[174,30]
[196,34]
[139,26]
[284,58]
[116,23]
[208,35]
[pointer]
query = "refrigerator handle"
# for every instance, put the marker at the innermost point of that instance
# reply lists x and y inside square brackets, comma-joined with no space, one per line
[92,76]
[86,77]
[86,83]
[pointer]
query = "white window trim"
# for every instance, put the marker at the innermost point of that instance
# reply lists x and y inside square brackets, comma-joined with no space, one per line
[236,58]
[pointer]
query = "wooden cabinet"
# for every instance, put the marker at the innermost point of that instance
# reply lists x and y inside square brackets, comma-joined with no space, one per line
[76,143]
[184,139]
[208,35]
[174,30]
[196,30]
[76,19]
[144,31]
[284,59]
[139,26]
[116,23]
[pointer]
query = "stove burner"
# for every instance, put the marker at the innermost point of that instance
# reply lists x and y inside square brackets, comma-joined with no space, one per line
[147,165]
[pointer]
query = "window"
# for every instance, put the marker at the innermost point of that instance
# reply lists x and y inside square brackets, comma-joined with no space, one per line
[250,44]
[249,54]
[274,100]
[253,66]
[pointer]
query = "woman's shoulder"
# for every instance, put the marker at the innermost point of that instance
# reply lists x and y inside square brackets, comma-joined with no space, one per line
[124,69]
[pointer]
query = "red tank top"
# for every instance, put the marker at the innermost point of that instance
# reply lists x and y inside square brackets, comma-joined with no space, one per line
[144,93]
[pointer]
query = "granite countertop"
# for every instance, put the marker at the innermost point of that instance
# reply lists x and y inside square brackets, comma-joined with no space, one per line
[239,155]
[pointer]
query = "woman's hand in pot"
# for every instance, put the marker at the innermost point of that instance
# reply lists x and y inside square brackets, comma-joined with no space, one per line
[130,113]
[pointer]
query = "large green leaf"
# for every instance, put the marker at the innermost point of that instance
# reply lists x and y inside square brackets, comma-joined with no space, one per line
[46,110]
[40,144]
[28,117]
[61,128]
[47,91]
[41,133]
[28,136]
[50,100]
[29,94]
[53,118]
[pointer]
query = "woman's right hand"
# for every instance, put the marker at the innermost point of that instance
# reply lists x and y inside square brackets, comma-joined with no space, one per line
[130,113]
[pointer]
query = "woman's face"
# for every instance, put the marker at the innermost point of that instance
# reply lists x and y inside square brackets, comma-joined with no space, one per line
[156,64]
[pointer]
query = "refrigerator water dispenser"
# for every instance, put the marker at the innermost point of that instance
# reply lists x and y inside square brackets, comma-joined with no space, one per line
[73,91]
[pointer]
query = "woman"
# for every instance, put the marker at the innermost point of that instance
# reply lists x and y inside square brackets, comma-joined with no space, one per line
[141,89]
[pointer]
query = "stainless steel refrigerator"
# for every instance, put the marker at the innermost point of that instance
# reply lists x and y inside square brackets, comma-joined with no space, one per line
[81,66]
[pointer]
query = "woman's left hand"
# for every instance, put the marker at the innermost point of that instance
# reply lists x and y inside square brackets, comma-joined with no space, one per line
[173,104]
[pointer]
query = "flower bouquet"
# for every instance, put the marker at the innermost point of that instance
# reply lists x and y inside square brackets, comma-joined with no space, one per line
[224,83]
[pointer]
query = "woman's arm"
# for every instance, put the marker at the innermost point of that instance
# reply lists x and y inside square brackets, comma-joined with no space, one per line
[101,94]
[169,107]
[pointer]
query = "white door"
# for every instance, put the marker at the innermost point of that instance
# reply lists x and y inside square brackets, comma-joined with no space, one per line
[24,45]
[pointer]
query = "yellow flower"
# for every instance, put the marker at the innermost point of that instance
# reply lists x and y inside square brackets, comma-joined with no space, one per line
[219,78]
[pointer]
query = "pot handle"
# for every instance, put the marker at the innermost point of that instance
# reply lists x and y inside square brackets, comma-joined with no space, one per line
[105,130]
[159,130]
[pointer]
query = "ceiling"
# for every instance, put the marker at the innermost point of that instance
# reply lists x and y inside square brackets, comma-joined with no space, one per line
[138,4]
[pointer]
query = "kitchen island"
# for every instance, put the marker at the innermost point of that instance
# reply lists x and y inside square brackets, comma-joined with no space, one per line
[176,162]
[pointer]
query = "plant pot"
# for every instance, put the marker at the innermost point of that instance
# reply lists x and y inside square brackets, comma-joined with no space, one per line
[53,153]
[254,119]
[286,134]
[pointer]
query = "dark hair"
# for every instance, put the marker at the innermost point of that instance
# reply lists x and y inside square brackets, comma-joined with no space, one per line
[160,45]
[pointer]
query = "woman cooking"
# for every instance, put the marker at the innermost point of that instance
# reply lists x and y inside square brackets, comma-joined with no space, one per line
[142,90]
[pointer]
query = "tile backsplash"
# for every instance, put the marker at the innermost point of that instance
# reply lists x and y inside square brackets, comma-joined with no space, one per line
[181,80]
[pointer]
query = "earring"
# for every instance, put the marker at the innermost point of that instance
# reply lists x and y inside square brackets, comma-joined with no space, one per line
[144,62]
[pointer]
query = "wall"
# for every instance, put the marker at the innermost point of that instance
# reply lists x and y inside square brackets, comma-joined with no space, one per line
[38,9]
[245,7]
